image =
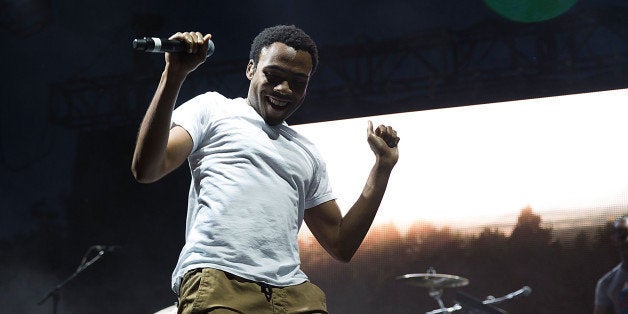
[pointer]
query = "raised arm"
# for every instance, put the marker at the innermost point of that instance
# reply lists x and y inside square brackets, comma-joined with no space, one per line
[159,149]
[341,236]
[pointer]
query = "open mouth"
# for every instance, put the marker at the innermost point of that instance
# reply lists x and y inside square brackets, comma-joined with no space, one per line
[276,103]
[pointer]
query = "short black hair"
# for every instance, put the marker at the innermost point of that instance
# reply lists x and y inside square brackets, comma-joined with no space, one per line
[287,34]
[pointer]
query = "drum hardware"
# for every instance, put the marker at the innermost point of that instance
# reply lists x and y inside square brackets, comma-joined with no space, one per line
[437,282]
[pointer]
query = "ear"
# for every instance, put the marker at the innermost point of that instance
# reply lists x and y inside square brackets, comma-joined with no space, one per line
[250,69]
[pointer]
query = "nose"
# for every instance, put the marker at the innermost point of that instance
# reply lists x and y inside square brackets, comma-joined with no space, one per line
[283,88]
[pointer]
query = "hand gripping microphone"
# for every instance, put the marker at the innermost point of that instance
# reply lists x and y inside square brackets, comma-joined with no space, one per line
[154,44]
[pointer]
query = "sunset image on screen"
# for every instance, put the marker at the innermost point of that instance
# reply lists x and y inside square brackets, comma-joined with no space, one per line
[496,192]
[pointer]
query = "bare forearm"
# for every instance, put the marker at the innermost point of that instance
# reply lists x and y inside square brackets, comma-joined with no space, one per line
[357,222]
[150,149]
[342,236]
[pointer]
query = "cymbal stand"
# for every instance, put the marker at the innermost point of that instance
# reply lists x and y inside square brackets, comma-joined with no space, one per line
[435,293]
[454,308]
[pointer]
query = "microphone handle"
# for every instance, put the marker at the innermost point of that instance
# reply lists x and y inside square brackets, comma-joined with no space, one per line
[160,45]
[154,44]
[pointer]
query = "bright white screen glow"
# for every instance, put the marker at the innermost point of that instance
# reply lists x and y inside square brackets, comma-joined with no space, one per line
[483,163]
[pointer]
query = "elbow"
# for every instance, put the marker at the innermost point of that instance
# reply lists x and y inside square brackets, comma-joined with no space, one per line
[341,250]
[141,175]
[343,256]
[141,179]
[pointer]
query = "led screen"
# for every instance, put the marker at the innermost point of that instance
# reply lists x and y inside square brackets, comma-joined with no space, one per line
[506,195]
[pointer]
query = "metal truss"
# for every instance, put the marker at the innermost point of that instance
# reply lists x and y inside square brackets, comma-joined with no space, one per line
[489,61]
[494,60]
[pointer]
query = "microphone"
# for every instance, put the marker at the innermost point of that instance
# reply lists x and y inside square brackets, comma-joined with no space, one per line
[525,291]
[154,44]
[107,248]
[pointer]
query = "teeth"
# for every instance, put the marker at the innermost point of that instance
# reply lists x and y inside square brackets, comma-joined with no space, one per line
[277,102]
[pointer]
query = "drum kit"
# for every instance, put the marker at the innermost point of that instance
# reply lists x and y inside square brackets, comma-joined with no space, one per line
[435,283]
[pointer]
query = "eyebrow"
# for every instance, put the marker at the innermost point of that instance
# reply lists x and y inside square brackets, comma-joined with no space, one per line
[280,69]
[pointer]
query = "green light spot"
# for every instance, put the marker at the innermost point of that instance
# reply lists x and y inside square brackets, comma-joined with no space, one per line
[530,10]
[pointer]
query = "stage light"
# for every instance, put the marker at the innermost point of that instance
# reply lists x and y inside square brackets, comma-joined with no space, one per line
[530,11]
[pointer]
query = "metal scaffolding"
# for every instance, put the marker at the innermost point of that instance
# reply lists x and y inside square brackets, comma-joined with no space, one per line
[494,60]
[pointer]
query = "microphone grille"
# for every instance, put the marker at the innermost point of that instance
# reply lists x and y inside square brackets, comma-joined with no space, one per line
[210,49]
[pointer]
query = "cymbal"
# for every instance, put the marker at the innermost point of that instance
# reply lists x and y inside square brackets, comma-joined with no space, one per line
[434,281]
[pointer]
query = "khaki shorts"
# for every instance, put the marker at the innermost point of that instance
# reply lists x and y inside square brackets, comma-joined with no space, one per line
[210,290]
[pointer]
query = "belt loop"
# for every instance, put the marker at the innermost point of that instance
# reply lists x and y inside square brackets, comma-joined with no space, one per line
[267,291]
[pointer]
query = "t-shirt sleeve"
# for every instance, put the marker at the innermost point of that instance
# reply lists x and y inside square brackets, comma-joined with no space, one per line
[320,188]
[193,116]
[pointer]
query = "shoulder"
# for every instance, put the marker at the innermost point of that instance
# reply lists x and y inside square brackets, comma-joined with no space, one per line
[212,103]
[309,149]
[300,139]
[210,99]
[609,276]
[291,133]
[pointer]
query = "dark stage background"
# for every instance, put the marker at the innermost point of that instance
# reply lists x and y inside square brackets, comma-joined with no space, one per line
[73,94]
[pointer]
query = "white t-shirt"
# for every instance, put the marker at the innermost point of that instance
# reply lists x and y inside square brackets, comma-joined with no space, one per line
[251,183]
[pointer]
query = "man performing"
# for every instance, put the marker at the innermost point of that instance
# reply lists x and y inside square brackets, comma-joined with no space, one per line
[611,292]
[254,180]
